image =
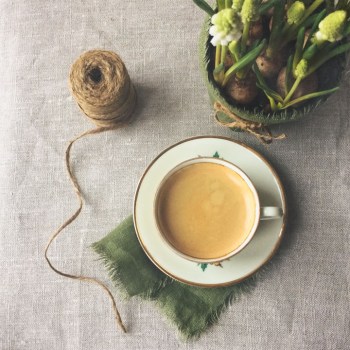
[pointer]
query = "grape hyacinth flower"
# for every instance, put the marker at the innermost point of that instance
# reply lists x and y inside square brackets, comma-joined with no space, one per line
[332,27]
[295,12]
[227,26]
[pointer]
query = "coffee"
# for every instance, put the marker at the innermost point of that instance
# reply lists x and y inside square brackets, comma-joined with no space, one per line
[205,210]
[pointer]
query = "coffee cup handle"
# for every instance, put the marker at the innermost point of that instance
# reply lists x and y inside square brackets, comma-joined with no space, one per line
[269,213]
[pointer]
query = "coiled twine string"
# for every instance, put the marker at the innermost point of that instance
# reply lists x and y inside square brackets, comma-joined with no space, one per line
[100,84]
[259,130]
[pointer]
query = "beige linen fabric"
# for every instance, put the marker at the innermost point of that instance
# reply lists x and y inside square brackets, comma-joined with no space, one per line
[302,301]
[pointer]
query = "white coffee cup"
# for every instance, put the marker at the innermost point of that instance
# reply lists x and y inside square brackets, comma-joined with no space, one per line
[261,213]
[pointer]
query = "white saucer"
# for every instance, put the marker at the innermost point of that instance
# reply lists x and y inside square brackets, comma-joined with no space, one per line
[265,241]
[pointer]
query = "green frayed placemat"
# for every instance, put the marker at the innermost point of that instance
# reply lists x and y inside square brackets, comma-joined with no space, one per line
[191,309]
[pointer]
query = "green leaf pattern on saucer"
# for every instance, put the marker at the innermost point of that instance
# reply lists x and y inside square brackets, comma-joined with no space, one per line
[203,266]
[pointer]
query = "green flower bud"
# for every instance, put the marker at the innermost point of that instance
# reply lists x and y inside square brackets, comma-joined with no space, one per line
[224,20]
[301,69]
[237,5]
[250,11]
[332,27]
[295,12]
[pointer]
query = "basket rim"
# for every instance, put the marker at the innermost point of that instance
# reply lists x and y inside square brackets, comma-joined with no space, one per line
[256,113]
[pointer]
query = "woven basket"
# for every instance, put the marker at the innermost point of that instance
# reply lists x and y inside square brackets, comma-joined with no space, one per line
[329,76]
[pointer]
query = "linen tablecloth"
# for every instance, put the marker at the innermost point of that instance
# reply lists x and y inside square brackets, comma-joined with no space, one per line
[302,301]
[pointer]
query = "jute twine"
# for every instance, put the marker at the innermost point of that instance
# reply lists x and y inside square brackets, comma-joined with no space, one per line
[259,130]
[100,84]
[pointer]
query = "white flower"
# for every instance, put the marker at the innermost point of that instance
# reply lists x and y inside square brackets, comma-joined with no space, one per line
[227,26]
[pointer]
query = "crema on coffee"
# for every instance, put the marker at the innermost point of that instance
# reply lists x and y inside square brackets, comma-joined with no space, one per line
[205,210]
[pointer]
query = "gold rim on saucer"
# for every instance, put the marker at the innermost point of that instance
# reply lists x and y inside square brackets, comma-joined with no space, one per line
[280,234]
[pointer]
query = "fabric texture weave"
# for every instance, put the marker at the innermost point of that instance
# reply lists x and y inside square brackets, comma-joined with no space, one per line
[302,301]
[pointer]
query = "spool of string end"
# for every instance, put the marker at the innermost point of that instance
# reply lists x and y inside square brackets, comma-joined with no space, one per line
[100,84]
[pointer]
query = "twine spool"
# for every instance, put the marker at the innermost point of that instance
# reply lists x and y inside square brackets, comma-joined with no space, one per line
[100,84]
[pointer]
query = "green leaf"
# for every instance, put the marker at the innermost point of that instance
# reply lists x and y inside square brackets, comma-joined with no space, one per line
[270,92]
[247,59]
[263,85]
[347,29]
[258,74]
[277,22]
[324,58]
[310,52]
[309,21]
[266,6]
[309,96]
[310,10]
[343,5]
[203,266]
[220,4]
[216,155]
[255,44]
[289,73]
[317,21]
[202,4]
[272,102]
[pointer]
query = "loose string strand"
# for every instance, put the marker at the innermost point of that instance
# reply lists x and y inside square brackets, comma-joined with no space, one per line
[259,130]
[96,76]
[77,190]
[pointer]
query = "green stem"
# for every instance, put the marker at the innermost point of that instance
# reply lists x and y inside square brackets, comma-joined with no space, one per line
[223,54]
[324,58]
[245,36]
[220,4]
[310,10]
[219,74]
[235,52]
[286,28]
[310,96]
[299,47]
[292,90]
[269,92]
[276,40]
[272,103]
[217,55]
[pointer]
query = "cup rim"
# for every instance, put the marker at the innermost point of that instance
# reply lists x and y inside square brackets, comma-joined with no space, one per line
[232,167]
